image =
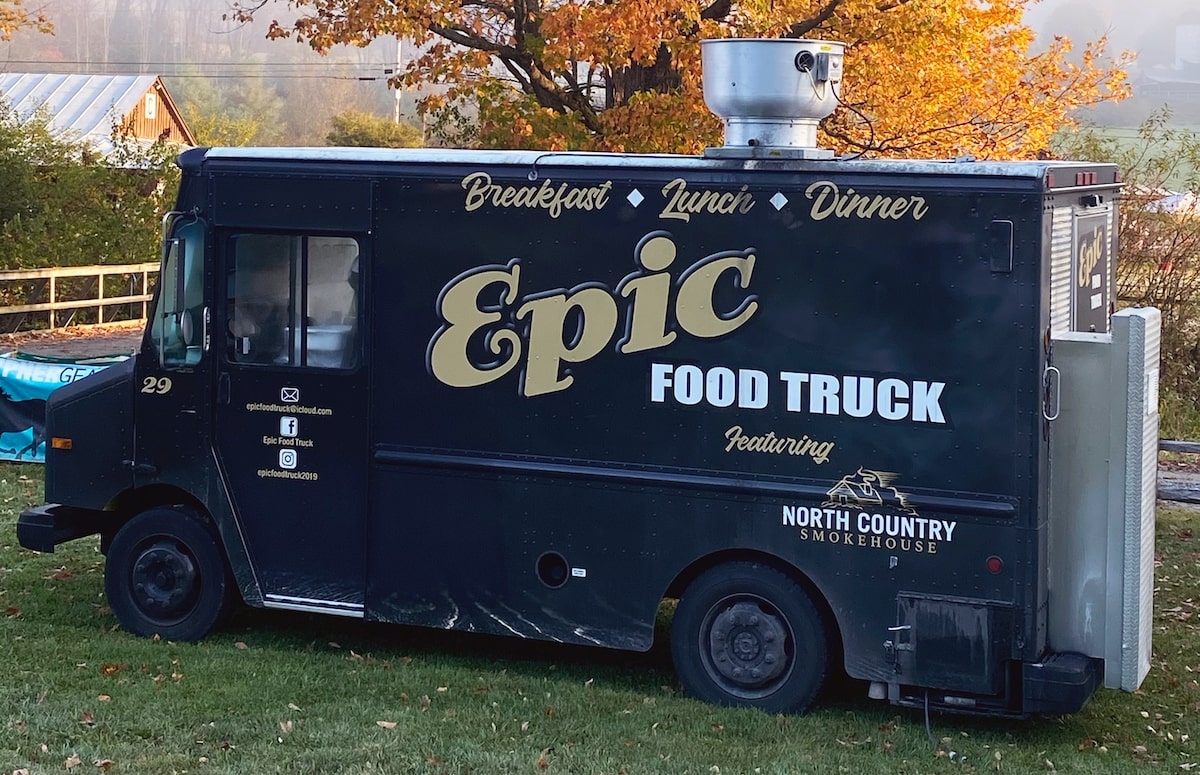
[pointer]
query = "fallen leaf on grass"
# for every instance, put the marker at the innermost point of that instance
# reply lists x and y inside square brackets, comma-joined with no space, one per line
[293,706]
[1087,744]
[87,719]
[12,612]
[386,724]
[72,762]
[112,669]
[543,760]
[240,646]
[286,726]
[425,702]
[61,574]
[21,771]
[719,728]
[436,761]
[104,764]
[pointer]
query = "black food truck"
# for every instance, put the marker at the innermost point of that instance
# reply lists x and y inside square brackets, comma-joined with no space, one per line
[871,414]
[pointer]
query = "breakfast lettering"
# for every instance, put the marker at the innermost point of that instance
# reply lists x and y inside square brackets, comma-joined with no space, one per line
[549,196]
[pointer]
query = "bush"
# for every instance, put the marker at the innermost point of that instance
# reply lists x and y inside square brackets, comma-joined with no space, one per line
[1159,264]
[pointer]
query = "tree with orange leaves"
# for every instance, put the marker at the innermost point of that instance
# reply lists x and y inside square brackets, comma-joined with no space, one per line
[924,79]
[14,16]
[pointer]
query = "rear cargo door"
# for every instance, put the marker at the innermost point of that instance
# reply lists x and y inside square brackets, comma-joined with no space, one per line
[290,427]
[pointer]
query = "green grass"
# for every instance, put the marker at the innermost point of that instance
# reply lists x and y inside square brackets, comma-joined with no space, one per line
[292,693]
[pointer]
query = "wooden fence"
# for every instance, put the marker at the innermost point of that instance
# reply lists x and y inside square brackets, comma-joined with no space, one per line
[46,294]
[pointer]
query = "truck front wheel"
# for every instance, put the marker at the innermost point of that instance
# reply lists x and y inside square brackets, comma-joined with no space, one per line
[166,575]
[747,634]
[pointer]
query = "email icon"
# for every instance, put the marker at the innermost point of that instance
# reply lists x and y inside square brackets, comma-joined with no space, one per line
[289,395]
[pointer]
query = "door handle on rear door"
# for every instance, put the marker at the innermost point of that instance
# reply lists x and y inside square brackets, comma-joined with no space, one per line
[223,389]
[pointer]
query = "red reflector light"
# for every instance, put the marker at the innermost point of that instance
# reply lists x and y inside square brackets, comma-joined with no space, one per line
[995,564]
[58,442]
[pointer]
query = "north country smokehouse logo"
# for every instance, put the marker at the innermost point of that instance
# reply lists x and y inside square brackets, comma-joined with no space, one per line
[865,510]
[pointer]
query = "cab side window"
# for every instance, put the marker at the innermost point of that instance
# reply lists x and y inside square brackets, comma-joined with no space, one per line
[292,300]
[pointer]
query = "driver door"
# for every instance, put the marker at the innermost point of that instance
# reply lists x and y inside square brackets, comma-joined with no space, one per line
[291,421]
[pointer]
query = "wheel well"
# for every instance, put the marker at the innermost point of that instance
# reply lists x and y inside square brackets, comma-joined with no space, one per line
[130,503]
[689,574]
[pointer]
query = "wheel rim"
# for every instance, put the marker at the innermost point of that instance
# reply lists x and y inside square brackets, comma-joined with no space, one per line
[166,582]
[748,646]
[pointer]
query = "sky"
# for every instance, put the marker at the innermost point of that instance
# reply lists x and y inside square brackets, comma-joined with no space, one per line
[1145,26]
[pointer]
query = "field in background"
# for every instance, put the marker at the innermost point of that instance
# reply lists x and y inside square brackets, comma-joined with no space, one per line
[1130,137]
[293,693]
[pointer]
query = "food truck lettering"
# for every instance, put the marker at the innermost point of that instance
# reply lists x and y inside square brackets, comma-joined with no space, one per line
[830,200]
[682,203]
[542,331]
[817,394]
[549,196]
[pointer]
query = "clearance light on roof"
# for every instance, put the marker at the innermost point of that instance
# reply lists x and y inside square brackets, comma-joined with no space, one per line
[59,442]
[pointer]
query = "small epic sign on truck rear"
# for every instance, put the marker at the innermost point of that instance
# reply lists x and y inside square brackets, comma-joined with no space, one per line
[875,412]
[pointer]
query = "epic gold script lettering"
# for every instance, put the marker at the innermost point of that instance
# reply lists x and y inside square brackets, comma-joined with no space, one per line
[1090,251]
[829,200]
[547,196]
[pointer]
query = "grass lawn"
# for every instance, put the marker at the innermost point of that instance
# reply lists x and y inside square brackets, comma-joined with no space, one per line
[292,693]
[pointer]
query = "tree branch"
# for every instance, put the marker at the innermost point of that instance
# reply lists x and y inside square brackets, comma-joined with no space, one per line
[801,28]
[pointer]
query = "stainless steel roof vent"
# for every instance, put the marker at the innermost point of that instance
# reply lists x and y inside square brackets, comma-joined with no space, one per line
[771,94]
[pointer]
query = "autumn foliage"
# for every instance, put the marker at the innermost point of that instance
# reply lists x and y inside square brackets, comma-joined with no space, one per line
[930,79]
[15,15]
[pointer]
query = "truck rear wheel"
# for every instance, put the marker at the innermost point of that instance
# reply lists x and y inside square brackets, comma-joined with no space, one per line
[166,575]
[747,634]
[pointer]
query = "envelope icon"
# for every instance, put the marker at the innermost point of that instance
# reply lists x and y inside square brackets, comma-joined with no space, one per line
[289,394]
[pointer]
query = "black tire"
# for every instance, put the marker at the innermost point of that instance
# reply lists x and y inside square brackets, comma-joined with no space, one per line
[166,575]
[747,634]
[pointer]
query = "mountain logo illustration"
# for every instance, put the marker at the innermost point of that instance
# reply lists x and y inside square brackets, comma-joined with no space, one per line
[867,487]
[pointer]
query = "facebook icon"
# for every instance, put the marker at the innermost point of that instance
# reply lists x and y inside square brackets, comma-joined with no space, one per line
[288,427]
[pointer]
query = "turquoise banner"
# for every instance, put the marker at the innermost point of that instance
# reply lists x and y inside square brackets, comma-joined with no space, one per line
[25,384]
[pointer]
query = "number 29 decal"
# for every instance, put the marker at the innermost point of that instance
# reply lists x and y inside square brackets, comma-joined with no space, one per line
[156,385]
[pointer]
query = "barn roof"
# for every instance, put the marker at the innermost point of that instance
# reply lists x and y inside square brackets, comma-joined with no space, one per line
[85,107]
